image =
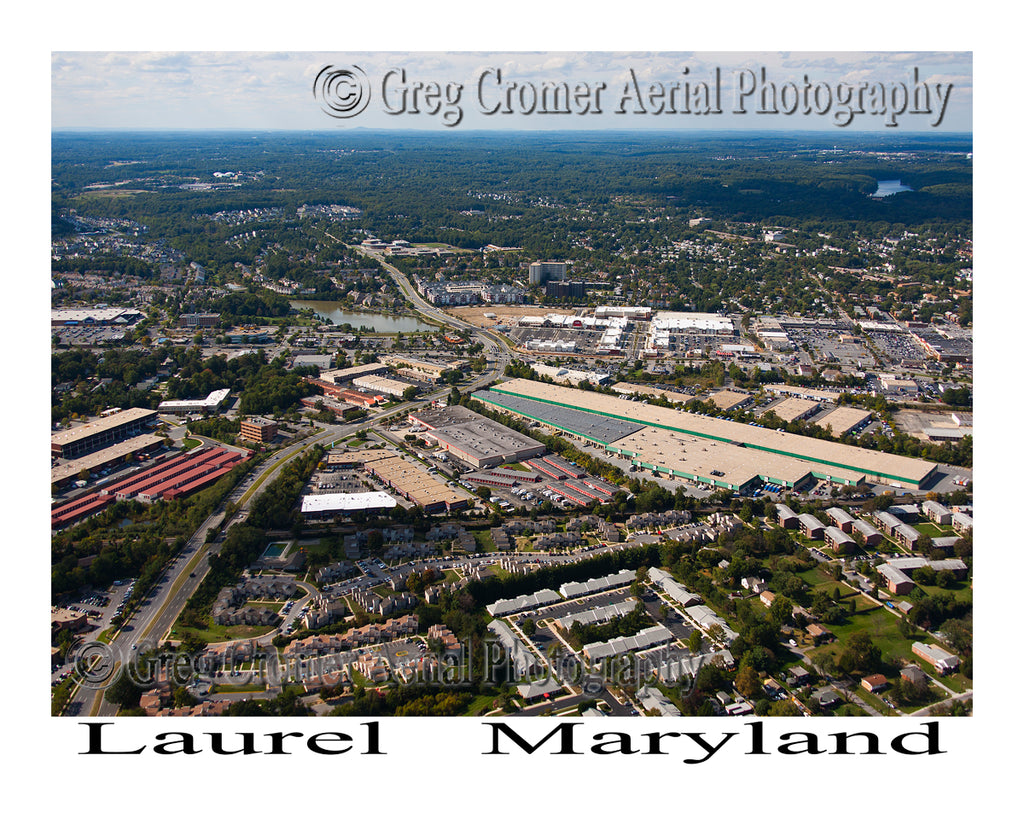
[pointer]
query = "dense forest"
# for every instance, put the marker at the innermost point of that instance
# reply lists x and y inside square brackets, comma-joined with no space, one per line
[417,185]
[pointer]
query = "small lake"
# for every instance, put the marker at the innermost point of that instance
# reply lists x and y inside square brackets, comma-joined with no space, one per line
[373,322]
[888,187]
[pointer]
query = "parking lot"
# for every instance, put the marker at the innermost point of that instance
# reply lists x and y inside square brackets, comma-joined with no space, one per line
[558,610]
[897,347]
[100,608]
[832,346]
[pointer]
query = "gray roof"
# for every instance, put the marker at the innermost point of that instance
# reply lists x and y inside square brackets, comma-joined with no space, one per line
[810,521]
[499,608]
[620,645]
[598,584]
[588,424]
[599,615]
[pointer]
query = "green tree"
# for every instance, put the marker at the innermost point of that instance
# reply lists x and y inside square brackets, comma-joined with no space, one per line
[860,654]
[748,682]
[123,692]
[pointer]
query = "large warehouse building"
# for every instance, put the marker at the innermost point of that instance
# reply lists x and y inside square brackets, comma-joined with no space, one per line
[335,504]
[713,451]
[415,484]
[474,439]
[103,432]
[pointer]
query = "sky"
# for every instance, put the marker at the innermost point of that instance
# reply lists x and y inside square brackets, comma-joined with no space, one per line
[204,89]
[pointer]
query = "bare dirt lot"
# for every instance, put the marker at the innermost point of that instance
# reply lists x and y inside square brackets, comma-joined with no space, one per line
[506,313]
[915,423]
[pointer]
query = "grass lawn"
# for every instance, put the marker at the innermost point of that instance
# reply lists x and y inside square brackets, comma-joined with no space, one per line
[933,531]
[480,704]
[957,682]
[276,605]
[484,541]
[385,590]
[960,589]
[935,694]
[219,688]
[524,544]
[317,548]
[358,679]
[881,626]
[190,443]
[817,577]
[220,634]
[353,606]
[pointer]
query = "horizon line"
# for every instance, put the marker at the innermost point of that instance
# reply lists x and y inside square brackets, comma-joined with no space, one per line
[451,132]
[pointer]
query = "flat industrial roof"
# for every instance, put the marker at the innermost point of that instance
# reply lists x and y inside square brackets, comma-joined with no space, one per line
[113,421]
[589,425]
[842,419]
[353,372]
[357,456]
[875,465]
[727,399]
[94,313]
[443,416]
[418,484]
[413,363]
[103,456]
[789,409]
[390,386]
[347,502]
[484,438]
[700,457]
[214,399]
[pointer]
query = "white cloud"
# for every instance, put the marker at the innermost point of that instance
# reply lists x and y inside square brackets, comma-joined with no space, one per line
[243,88]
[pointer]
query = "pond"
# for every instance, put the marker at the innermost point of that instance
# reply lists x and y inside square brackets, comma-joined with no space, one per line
[373,322]
[887,187]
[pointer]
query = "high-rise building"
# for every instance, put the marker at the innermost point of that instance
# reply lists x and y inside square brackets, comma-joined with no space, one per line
[541,272]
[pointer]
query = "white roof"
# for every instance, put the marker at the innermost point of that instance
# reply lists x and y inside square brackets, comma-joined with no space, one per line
[212,401]
[347,502]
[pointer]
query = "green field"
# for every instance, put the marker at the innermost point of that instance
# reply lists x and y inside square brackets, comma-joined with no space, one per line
[480,704]
[929,529]
[220,688]
[883,629]
[214,633]
[484,541]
